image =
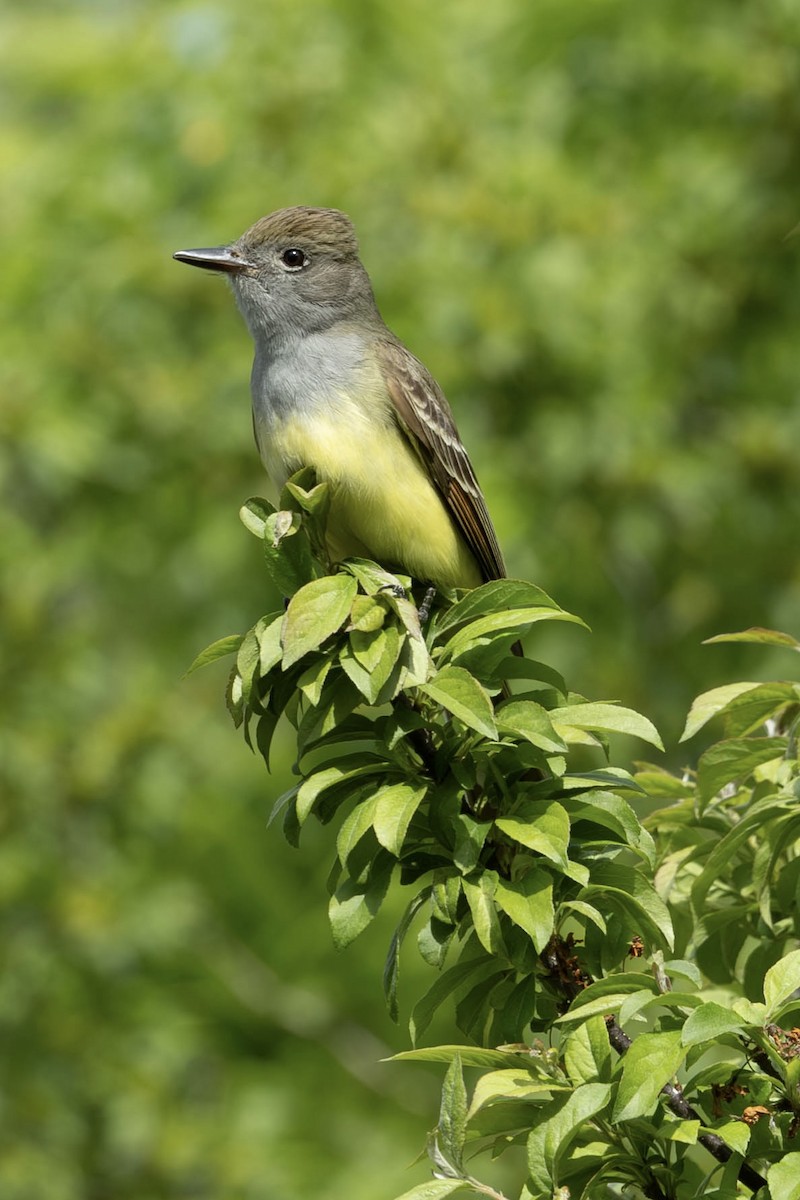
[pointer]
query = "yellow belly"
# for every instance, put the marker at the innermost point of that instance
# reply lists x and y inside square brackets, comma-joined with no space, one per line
[383,505]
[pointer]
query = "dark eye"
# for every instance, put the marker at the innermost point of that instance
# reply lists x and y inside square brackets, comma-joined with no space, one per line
[293,258]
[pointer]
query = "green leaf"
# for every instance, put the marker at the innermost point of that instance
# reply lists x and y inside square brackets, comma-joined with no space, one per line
[452,1127]
[369,648]
[254,513]
[354,905]
[748,712]
[283,802]
[636,1001]
[505,1125]
[447,983]
[769,874]
[490,598]
[480,897]
[436,1189]
[391,967]
[269,643]
[247,662]
[610,718]
[607,777]
[311,681]
[461,694]
[587,1055]
[606,995]
[337,701]
[304,479]
[314,613]
[477,1056]
[669,997]
[370,658]
[317,783]
[445,895]
[395,805]
[661,784]
[287,552]
[367,614]
[408,613]
[529,904]
[470,838]
[433,941]
[512,1083]
[529,720]
[727,847]
[734,1134]
[783,1178]
[712,704]
[709,1022]
[265,729]
[219,649]
[291,829]
[629,889]
[734,759]
[541,825]
[615,813]
[681,1131]
[768,637]
[585,910]
[601,1004]
[482,659]
[516,621]
[648,1065]
[752,1013]
[358,822]
[476,1006]
[234,701]
[557,1127]
[682,966]
[313,498]
[751,703]
[780,982]
[514,666]
[513,1010]
[416,663]
[375,580]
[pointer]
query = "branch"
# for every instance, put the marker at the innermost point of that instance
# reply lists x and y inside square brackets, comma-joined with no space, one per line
[565,969]
[683,1109]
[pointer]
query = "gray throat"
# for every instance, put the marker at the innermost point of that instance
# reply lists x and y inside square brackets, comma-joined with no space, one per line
[301,373]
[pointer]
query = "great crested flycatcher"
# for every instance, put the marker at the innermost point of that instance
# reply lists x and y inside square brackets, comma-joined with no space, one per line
[335,390]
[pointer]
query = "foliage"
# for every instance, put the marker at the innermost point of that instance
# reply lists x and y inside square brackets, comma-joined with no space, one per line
[535,884]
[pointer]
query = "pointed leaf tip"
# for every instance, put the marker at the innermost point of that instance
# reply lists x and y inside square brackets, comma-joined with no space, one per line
[218,649]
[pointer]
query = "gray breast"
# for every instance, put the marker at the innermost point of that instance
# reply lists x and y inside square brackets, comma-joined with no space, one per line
[306,373]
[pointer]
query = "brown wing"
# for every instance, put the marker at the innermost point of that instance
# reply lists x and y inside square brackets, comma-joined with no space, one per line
[424,415]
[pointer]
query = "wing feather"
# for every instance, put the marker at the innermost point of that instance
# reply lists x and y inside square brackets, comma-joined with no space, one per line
[424,415]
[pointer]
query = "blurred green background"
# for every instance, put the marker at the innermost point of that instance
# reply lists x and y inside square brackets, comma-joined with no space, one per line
[577,215]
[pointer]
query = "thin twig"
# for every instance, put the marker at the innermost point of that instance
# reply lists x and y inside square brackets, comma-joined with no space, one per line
[571,984]
[682,1108]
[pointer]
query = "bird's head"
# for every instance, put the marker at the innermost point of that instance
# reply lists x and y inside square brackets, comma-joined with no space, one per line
[295,271]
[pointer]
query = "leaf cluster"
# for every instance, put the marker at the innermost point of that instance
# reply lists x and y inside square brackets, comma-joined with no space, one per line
[548,907]
[729,832]
[717,1061]
[479,800]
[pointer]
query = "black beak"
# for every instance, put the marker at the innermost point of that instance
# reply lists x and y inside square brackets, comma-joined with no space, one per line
[215,258]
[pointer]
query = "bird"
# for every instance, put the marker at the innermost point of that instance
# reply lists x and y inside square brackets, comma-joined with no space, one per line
[334,389]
